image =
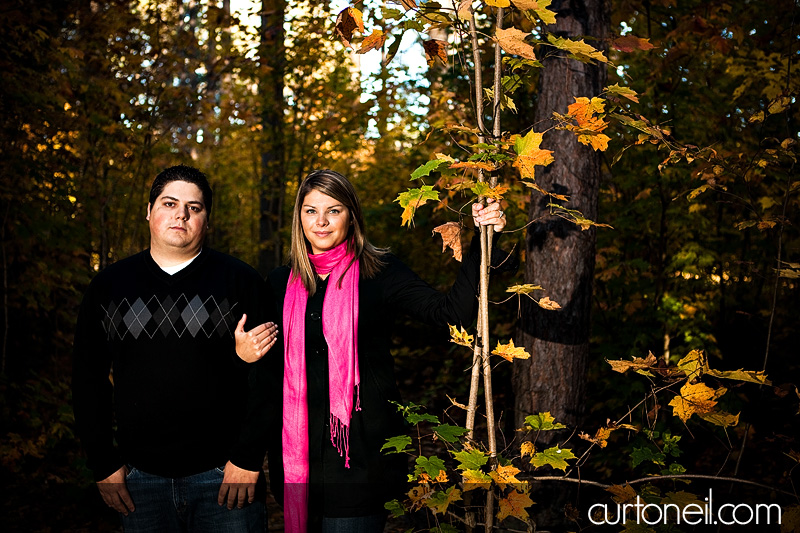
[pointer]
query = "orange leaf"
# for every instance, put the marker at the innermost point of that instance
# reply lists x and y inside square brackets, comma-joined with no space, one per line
[529,154]
[451,236]
[514,505]
[347,22]
[512,41]
[505,475]
[600,437]
[638,363]
[409,4]
[373,42]
[547,303]
[435,48]
[697,398]
[583,109]
[474,164]
[527,448]
[629,43]
[509,352]
[622,494]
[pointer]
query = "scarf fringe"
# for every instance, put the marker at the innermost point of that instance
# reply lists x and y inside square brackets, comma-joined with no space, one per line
[340,432]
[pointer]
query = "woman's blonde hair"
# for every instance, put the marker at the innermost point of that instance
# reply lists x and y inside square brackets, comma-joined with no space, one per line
[339,188]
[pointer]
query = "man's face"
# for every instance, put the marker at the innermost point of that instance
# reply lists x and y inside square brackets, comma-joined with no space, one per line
[178,219]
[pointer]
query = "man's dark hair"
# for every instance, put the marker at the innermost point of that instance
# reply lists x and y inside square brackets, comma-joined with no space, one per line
[182,173]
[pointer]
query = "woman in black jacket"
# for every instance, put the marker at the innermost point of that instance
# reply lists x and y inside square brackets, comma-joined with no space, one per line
[338,299]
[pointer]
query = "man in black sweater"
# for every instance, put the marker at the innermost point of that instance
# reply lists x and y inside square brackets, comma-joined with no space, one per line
[154,355]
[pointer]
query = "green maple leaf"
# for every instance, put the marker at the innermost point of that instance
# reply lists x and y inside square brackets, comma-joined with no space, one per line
[471,460]
[543,422]
[395,508]
[398,443]
[445,528]
[640,455]
[414,198]
[427,168]
[429,465]
[555,457]
[416,418]
[449,433]
[411,413]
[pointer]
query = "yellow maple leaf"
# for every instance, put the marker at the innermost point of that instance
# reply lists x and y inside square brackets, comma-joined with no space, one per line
[440,501]
[509,352]
[498,3]
[451,237]
[544,14]
[750,376]
[418,495]
[693,364]
[598,142]
[695,398]
[514,505]
[527,448]
[460,337]
[579,49]
[524,289]
[512,41]
[721,418]
[475,479]
[372,42]
[524,5]
[529,154]
[505,475]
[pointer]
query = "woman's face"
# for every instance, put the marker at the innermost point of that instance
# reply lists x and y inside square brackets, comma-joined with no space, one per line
[325,221]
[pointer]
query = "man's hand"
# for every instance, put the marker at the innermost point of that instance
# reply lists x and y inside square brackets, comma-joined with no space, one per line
[115,492]
[238,486]
[252,345]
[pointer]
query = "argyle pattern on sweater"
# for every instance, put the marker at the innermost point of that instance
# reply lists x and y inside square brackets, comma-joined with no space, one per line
[152,316]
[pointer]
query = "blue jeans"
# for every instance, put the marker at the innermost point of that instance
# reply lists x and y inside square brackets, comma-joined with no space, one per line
[354,524]
[187,505]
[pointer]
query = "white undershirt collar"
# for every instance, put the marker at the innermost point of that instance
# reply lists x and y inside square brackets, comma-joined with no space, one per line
[174,269]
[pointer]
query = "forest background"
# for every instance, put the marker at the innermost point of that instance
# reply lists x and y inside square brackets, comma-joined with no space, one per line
[694,240]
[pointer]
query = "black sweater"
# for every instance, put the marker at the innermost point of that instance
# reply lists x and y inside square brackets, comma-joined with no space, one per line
[373,477]
[179,390]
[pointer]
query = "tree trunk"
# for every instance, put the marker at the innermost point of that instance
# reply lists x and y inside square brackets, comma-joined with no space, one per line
[559,256]
[271,84]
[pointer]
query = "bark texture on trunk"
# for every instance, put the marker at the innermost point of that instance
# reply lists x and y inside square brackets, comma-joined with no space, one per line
[559,255]
[271,84]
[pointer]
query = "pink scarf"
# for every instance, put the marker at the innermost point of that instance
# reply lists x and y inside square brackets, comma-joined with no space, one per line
[340,328]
